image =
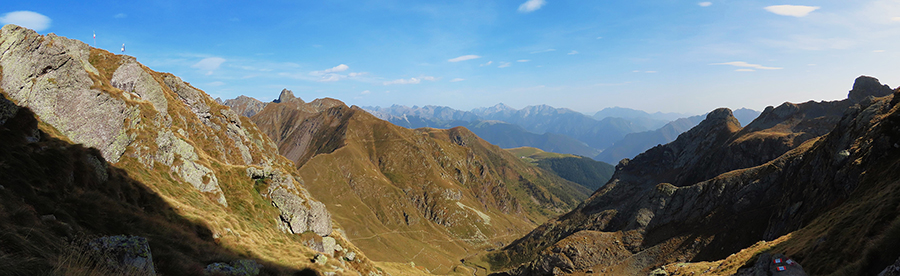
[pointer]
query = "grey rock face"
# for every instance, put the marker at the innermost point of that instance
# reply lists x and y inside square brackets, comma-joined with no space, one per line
[298,215]
[234,268]
[245,106]
[51,76]
[131,78]
[191,97]
[130,254]
[204,179]
[865,86]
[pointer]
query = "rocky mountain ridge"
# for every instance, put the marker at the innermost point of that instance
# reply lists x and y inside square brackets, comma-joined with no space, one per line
[720,188]
[211,164]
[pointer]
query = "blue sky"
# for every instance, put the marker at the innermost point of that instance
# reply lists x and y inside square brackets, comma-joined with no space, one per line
[666,55]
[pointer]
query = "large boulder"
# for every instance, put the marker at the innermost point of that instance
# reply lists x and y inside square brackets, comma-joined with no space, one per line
[127,254]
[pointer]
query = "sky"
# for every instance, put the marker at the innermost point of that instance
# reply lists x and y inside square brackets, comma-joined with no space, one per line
[665,55]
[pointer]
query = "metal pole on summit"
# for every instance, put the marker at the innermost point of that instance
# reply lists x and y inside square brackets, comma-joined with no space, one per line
[123,47]
[95,39]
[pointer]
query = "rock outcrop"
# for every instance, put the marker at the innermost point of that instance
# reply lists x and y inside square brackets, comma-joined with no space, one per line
[128,254]
[53,76]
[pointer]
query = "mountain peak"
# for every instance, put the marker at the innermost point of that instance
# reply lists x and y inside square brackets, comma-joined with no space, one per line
[865,86]
[285,96]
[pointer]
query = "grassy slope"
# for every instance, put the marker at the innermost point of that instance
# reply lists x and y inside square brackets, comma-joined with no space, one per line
[394,189]
[589,173]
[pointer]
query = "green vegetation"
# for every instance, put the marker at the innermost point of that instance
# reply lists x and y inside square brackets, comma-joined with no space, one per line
[589,173]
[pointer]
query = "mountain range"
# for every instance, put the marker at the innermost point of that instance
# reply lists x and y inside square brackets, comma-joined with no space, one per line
[427,196]
[110,168]
[801,176]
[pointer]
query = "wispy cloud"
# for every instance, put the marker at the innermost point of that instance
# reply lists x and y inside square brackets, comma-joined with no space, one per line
[878,51]
[216,83]
[895,18]
[504,64]
[339,68]
[365,92]
[573,52]
[705,4]
[531,5]
[457,79]
[488,63]
[524,60]
[543,51]
[120,15]
[410,80]
[639,71]
[27,19]
[209,64]
[745,70]
[791,10]
[748,65]
[357,74]
[462,58]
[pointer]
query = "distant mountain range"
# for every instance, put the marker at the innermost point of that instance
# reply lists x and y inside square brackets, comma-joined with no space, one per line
[610,135]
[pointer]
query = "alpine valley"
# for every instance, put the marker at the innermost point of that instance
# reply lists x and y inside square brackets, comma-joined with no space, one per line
[108,167]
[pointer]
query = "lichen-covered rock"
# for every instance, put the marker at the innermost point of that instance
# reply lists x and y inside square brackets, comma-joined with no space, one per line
[301,215]
[131,78]
[190,96]
[51,75]
[128,254]
[234,268]
[201,177]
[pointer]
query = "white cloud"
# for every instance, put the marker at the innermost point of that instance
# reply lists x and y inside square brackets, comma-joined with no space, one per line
[216,83]
[365,92]
[27,19]
[504,64]
[573,52]
[749,65]
[531,5]
[745,70]
[462,58]
[457,79]
[120,15]
[649,72]
[357,74]
[895,18]
[791,10]
[705,4]
[410,80]
[488,63]
[523,60]
[209,64]
[878,51]
[339,68]
[543,51]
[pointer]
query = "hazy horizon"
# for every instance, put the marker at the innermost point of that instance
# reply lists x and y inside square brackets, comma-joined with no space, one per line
[667,56]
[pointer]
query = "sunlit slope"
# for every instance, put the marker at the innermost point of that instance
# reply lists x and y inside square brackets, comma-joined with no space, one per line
[428,196]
